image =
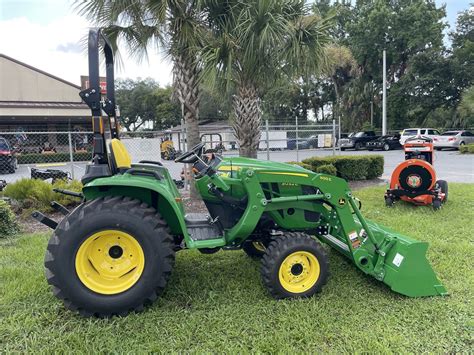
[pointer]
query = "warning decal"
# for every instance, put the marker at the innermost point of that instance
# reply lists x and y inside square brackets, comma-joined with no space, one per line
[354,240]
[397,260]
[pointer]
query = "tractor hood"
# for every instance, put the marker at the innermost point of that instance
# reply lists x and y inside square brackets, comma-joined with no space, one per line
[236,163]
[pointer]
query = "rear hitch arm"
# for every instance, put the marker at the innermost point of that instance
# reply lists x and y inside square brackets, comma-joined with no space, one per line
[45,220]
[60,208]
[69,193]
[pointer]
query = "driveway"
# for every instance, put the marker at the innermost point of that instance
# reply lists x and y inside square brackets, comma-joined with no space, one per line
[449,164]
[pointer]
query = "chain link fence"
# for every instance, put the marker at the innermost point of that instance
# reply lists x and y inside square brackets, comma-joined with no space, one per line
[28,153]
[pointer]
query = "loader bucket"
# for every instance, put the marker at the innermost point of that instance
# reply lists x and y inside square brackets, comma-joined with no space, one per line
[406,269]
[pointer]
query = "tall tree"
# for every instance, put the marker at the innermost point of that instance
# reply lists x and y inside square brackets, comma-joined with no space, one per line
[339,68]
[174,25]
[251,44]
[143,104]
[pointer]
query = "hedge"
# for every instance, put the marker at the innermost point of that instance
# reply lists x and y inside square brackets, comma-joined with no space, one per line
[467,149]
[35,158]
[360,167]
[8,223]
[327,169]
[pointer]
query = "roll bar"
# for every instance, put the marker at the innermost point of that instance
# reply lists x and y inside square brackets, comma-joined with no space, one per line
[92,96]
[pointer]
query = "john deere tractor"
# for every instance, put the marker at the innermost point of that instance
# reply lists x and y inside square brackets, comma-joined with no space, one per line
[114,253]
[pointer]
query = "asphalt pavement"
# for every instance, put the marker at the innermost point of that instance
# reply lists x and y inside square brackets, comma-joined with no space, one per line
[449,164]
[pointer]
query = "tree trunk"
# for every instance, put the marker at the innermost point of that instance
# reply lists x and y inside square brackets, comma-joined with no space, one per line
[247,120]
[186,85]
[186,89]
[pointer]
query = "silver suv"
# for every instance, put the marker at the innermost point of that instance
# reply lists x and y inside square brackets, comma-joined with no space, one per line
[411,132]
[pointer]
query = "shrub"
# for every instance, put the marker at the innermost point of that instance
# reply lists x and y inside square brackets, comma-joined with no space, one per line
[8,223]
[38,158]
[327,169]
[355,167]
[73,185]
[467,149]
[30,192]
[376,167]
[34,193]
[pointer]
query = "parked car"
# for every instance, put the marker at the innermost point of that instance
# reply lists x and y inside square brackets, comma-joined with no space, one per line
[303,143]
[388,142]
[425,132]
[453,139]
[358,140]
[8,161]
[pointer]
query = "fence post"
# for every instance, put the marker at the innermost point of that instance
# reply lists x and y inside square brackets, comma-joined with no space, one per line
[333,137]
[297,140]
[268,141]
[71,155]
[187,168]
[339,134]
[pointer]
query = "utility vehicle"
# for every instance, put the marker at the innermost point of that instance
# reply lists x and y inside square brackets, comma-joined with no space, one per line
[115,252]
[414,180]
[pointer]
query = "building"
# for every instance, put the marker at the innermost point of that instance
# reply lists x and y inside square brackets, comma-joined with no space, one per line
[33,100]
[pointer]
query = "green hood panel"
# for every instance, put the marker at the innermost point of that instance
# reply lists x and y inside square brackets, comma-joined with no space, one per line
[262,165]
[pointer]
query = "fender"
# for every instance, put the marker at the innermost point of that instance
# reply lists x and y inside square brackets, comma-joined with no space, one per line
[159,195]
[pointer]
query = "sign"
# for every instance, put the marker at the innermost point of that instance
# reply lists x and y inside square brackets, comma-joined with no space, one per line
[102,83]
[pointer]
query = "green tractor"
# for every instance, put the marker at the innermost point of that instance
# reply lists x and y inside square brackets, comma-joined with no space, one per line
[114,253]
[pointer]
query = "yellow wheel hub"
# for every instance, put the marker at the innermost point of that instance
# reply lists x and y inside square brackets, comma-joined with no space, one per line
[110,262]
[299,272]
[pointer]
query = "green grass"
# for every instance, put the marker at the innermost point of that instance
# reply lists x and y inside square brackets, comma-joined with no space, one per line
[217,302]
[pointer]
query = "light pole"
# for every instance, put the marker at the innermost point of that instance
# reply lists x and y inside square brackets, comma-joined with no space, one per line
[371,114]
[384,98]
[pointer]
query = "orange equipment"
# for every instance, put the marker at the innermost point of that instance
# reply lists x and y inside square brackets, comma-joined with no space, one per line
[414,180]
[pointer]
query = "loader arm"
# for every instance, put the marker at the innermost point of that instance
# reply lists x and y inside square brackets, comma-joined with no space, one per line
[397,260]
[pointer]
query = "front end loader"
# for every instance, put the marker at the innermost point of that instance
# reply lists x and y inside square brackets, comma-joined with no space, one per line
[114,253]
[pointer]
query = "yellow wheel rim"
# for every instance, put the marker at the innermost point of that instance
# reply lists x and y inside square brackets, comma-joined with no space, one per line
[259,246]
[110,262]
[299,272]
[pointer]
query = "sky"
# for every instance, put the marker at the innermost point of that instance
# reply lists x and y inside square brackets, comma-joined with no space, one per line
[46,34]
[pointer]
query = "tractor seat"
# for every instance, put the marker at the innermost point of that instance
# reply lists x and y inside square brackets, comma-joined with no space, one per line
[120,159]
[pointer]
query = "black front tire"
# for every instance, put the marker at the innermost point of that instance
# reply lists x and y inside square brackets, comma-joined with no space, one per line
[282,248]
[386,147]
[389,201]
[110,213]
[436,204]
[443,185]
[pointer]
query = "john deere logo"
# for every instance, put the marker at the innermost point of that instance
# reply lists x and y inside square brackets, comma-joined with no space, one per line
[414,181]
[342,202]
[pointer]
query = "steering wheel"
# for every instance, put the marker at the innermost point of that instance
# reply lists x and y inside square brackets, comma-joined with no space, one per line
[191,156]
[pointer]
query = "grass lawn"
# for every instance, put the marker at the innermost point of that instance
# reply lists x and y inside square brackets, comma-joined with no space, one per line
[216,303]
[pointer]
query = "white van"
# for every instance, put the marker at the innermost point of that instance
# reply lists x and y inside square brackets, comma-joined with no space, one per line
[411,132]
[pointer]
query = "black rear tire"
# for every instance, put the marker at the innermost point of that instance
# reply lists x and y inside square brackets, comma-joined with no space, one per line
[121,214]
[443,185]
[436,204]
[386,147]
[280,251]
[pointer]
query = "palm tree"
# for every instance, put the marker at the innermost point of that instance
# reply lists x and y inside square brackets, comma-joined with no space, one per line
[339,68]
[174,26]
[250,43]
